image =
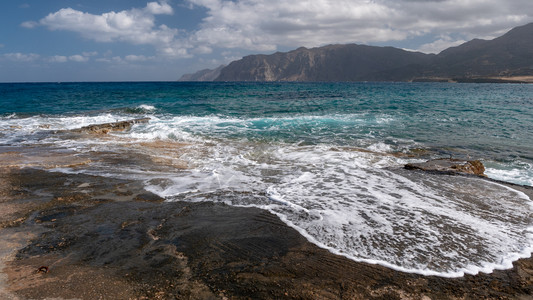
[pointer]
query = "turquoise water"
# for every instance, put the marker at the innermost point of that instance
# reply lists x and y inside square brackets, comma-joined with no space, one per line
[325,157]
[489,121]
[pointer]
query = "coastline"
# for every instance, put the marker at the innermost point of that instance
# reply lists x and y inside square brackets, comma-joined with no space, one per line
[478,79]
[111,239]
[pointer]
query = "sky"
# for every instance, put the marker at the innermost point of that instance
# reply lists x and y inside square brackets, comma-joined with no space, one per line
[160,40]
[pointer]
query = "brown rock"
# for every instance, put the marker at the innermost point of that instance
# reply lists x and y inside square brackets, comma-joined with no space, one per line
[127,249]
[450,166]
[115,126]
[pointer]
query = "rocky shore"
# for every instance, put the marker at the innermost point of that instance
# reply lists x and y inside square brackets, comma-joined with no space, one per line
[114,126]
[88,237]
[449,166]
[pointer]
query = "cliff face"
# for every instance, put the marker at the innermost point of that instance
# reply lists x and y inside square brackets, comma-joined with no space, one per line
[476,60]
[329,63]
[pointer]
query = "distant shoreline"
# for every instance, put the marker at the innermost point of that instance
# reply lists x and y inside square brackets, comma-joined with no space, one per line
[511,79]
[516,79]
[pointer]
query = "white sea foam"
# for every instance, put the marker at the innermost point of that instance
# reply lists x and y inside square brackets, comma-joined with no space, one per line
[147,107]
[40,123]
[518,172]
[358,204]
[40,129]
[434,225]
[177,128]
[380,147]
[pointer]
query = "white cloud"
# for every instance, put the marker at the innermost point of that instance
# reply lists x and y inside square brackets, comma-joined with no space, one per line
[263,25]
[30,57]
[136,58]
[58,59]
[29,24]
[21,57]
[159,8]
[78,58]
[202,49]
[91,53]
[175,49]
[267,24]
[135,26]
[114,59]
[442,43]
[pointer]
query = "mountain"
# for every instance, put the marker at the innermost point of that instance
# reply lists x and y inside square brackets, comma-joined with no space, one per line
[508,58]
[510,54]
[203,75]
[330,63]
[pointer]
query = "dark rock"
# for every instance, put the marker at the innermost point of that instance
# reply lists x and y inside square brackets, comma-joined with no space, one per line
[450,166]
[329,63]
[179,250]
[115,126]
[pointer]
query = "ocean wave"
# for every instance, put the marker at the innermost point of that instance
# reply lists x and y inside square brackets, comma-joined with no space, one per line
[518,172]
[420,228]
[142,109]
[343,190]
[428,224]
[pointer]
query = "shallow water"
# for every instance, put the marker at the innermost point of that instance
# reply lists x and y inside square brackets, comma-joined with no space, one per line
[325,157]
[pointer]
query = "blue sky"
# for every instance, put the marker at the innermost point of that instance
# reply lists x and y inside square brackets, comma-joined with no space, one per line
[138,40]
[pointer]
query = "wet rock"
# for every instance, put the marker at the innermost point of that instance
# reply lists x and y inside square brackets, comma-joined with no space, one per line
[144,249]
[450,166]
[114,126]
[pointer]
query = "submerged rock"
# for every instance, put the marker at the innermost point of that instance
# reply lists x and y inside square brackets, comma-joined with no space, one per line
[114,126]
[450,166]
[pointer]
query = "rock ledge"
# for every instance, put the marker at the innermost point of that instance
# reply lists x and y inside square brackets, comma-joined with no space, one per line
[114,126]
[450,166]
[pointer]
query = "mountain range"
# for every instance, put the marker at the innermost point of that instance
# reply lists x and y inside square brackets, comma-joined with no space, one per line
[508,58]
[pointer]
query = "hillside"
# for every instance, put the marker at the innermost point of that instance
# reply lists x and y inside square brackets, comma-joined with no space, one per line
[510,54]
[329,63]
[203,75]
[508,58]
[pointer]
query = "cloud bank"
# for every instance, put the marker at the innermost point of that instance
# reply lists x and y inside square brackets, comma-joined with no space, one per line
[135,26]
[266,25]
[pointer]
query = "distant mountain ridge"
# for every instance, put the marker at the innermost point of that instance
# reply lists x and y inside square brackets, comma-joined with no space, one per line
[329,63]
[203,75]
[508,58]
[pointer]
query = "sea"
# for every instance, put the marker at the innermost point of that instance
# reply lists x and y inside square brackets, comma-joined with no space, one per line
[326,158]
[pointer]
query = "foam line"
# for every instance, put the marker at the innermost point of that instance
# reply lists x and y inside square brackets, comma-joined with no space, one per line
[357,204]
